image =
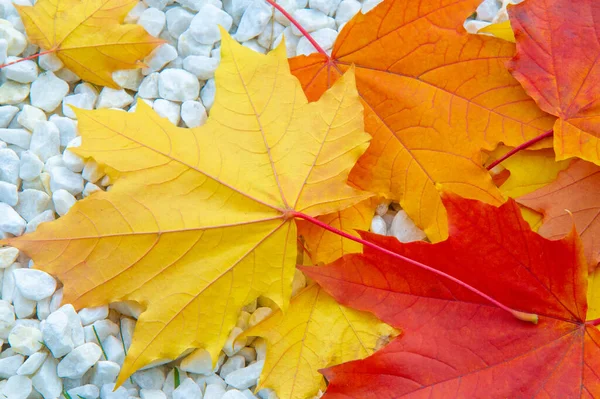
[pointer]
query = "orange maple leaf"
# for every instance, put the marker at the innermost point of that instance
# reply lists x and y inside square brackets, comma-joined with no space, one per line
[433,96]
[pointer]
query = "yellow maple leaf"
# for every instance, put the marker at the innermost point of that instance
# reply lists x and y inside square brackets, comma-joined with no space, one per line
[315,333]
[88,36]
[198,223]
[501,30]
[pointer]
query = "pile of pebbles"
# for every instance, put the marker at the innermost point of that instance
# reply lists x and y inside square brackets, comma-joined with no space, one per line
[48,349]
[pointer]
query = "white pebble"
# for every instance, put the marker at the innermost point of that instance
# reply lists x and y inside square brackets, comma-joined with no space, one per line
[50,62]
[83,101]
[22,72]
[34,284]
[32,203]
[90,315]
[135,13]
[45,140]
[178,85]
[79,361]
[8,255]
[3,50]
[233,345]
[193,113]
[149,86]
[18,137]
[245,377]
[7,113]
[234,394]
[378,225]
[187,45]
[111,98]
[23,307]
[152,378]
[31,166]
[87,391]
[11,222]
[198,362]
[17,387]
[114,349]
[346,11]
[473,26]
[236,9]
[207,94]
[188,389]
[404,229]
[106,392]
[32,364]
[488,9]
[269,34]
[30,116]
[232,364]
[15,40]
[46,216]
[159,57]
[324,37]
[253,45]
[13,92]
[57,334]
[104,328]
[66,127]
[8,193]
[25,340]
[9,365]
[89,189]
[259,315]
[92,171]
[158,4]
[178,20]
[9,287]
[7,319]
[312,20]
[104,372]
[152,394]
[291,41]
[205,25]
[368,5]
[47,91]
[153,21]
[254,20]
[214,391]
[45,381]
[128,78]
[9,166]
[63,178]
[167,109]
[201,66]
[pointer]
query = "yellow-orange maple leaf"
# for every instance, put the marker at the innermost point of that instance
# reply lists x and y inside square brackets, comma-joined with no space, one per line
[315,333]
[198,222]
[88,36]
[434,96]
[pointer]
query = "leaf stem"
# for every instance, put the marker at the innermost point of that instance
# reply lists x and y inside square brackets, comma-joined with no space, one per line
[519,148]
[533,318]
[31,57]
[300,28]
[594,322]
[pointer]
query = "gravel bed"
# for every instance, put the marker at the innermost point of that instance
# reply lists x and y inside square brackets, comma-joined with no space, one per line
[48,349]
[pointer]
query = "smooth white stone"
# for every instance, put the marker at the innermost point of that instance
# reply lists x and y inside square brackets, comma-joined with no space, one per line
[23,307]
[201,66]
[88,391]
[92,171]
[30,116]
[8,255]
[56,300]
[234,394]
[249,395]
[90,315]
[254,20]
[34,284]
[63,178]
[324,37]
[236,9]
[291,41]
[17,387]
[233,345]
[32,364]
[327,7]
[178,20]
[114,349]
[3,50]
[193,113]
[22,72]
[104,328]
[13,92]
[8,288]
[152,394]
[16,41]
[47,91]
[32,203]
[404,229]
[259,315]
[232,364]
[56,333]
[159,57]
[19,137]
[205,25]
[46,382]
[269,34]
[67,75]
[207,94]
[248,353]
[149,86]
[245,377]
[187,45]
[178,85]
[25,340]
[312,20]
[79,361]
[158,4]
[214,391]
[8,193]
[7,113]
[66,127]
[82,101]
[188,389]
[196,5]
[378,225]
[45,140]
[168,109]
[128,78]
[346,10]
[7,319]
[46,216]
[89,189]
[368,5]
[152,378]
[31,166]
[9,365]
[253,45]
[127,327]
[473,26]
[77,333]
[50,62]
[127,308]
[135,13]
[260,346]
[197,362]
[106,392]
[488,9]
[111,98]
[86,88]
[153,20]
[288,5]
[11,222]
[104,372]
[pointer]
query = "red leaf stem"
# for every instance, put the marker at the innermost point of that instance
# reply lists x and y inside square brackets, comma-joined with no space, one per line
[519,148]
[533,318]
[31,57]
[300,28]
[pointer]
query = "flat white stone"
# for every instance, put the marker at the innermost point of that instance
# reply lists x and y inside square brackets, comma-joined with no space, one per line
[34,284]
[16,41]
[233,345]
[214,391]
[193,113]
[90,315]
[89,189]
[312,20]
[32,364]
[56,333]
[8,255]
[3,50]
[232,364]
[188,389]
[158,4]
[246,377]
[152,20]
[20,137]
[197,362]
[104,372]
[159,57]
[111,98]
[269,34]
[202,67]
[31,166]
[23,307]
[152,378]
[104,328]
[254,20]
[473,26]
[25,340]
[46,216]
[178,20]
[9,365]
[178,85]
[9,166]
[92,171]
[378,225]
[325,37]
[128,78]
[327,7]
[346,10]
[168,109]
[7,319]
[13,92]
[288,5]
[8,288]
[22,72]
[187,45]
[47,91]
[234,394]
[67,75]
[82,100]
[7,113]
[62,178]
[205,25]
[17,387]
[46,381]
[207,94]
[66,127]
[149,86]
[79,361]
[87,391]
[368,5]
[32,203]
[11,222]
[259,315]
[152,394]
[8,193]
[30,116]
[488,9]
[291,41]
[106,392]
[114,349]
[50,62]
[45,140]
[404,229]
